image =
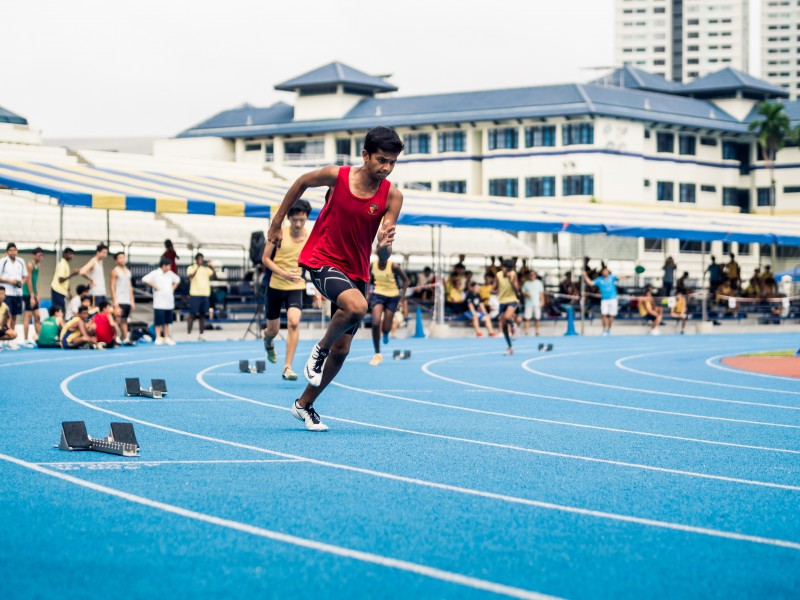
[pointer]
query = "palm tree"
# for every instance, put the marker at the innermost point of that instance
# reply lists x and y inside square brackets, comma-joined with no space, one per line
[772,130]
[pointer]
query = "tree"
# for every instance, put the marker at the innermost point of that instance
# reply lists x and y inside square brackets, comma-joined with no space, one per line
[772,131]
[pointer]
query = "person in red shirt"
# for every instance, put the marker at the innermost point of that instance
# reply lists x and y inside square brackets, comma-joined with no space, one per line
[105,326]
[360,204]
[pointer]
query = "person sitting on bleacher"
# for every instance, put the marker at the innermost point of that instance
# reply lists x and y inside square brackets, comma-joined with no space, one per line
[678,310]
[649,311]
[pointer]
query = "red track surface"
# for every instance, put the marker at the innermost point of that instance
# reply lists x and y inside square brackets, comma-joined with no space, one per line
[785,366]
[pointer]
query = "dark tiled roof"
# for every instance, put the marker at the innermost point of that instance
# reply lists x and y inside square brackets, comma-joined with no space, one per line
[335,73]
[636,79]
[729,79]
[6,116]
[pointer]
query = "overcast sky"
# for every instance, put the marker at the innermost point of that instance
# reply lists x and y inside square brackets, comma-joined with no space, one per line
[101,68]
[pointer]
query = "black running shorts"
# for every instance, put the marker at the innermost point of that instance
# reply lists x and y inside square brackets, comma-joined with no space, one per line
[331,282]
[277,299]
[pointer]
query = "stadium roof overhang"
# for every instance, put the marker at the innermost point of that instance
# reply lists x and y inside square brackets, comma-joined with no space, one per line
[165,192]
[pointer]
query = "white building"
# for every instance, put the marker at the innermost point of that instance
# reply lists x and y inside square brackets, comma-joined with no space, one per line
[780,44]
[682,39]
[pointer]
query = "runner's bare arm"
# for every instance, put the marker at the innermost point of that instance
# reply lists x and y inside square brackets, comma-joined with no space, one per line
[387,230]
[326,176]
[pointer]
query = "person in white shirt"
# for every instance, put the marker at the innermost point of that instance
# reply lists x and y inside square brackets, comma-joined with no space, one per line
[81,292]
[533,292]
[122,294]
[13,274]
[164,282]
[93,271]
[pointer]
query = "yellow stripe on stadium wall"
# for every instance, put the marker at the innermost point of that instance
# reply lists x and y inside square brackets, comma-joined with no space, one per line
[226,208]
[108,201]
[172,205]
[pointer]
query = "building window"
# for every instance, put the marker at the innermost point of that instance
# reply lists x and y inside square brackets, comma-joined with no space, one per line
[730,196]
[577,185]
[744,249]
[653,245]
[693,247]
[665,142]
[708,188]
[729,151]
[540,136]
[452,141]
[688,192]
[664,191]
[417,143]
[540,186]
[687,144]
[458,186]
[344,146]
[708,141]
[577,133]
[303,149]
[508,188]
[791,189]
[252,147]
[424,186]
[762,197]
[503,138]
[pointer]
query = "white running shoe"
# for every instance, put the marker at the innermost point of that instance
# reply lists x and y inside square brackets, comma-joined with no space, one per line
[169,341]
[655,331]
[12,345]
[310,416]
[201,338]
[315,365]
[376,360]
[30,344]
[160,341]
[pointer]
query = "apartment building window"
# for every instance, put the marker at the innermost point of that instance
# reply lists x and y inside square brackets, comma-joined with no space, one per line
[653,245]
[503,138]
[708,141]
[693,61]
[688,193]
[744,248]
[687,144]
[577,133]
[762,197]
[540,186]
[452,141]
[730,196]
[664,191]
[577,185]
[343,146]
[660,49]
[252,147]
[418,143]
[659,61]
[693,246]
[708,188]
[424,186]
[729,151]
[508,188]
[665,142]
[693,22]
[693,35]
[540,136]
[693,49]
[659,10]
[458,186]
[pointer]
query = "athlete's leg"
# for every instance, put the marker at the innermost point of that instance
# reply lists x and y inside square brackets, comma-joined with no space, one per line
[271,331]
[507,319]
[26,321]
[336,358]
[487,320]
[388,317]
[377,311]
[189,322]
[293,316]
[352,308]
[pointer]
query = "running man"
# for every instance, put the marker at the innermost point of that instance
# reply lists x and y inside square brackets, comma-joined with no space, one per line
[122,295]
[30,297]
[286,286]
[360,203]
[384,299]
[507,288]
[609,297]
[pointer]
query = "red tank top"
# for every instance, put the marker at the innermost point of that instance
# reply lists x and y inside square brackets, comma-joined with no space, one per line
[345,229]
[103,329]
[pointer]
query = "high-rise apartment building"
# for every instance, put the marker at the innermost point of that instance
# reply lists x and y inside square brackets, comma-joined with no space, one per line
[780,44]
[682,39]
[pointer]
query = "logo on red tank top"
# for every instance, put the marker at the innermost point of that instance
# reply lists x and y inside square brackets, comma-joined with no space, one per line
[373,209]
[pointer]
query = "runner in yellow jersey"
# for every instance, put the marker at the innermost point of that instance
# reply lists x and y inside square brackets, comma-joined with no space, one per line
[507,288]
[384,299]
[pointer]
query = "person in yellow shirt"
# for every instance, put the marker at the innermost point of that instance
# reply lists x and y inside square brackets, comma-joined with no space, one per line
[678,310]
[383,300]
[649,311]
[200,275]
[286,286]
[507,288]
[59,287]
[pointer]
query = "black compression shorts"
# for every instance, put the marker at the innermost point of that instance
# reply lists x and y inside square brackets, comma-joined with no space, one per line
[331,282]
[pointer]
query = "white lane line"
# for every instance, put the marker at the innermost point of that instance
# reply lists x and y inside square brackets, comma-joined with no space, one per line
[65,465]
[431,484]
[426,369]
[202,374]
[530,369]
[157,400]
[714,365]
[367,557]
[620,364]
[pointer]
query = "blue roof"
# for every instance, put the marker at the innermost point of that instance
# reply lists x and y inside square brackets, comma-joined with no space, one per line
[636,79]
[247,115]
[336,73]
[729,79]
[6,116]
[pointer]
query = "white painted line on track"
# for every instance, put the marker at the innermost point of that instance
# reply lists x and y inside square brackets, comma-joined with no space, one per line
[158,400]
[620,364]
[367,557]
[94,465]
[426,369]
[714,365]
[428,484]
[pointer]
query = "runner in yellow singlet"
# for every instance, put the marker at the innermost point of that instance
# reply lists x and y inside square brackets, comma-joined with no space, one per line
[507,288]
[384,299]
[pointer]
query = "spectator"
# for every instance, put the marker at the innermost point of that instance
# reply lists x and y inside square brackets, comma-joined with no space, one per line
[59,287]
[425,294]
[533,296]
[649,311]
[454,292]
[30,297]
[50,333]
[163,281]
[567,287]
[682,286]
[200,275]
[7,334]
[678,310]
[94,272]
[715,276]
[669,276]
[725,293]
[171,255]
[13,275]
[105,326]
[733,273]
[76,334]
[769,284]
[491,267]
[753,289]
[82,292]
[609,297]
[122,295]
[459,266]
[477,311]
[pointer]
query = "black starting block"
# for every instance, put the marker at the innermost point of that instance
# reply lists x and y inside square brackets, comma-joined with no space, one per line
[121,440]
[545,347]
[157,389]
[259,367]
[401,354]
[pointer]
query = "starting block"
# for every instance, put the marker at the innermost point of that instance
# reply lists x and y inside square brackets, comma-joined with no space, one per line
[401,354]
[545,347]
[157,389]
[121,440]
[259,367]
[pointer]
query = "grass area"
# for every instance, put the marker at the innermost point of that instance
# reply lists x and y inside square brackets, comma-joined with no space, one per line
[773,353]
